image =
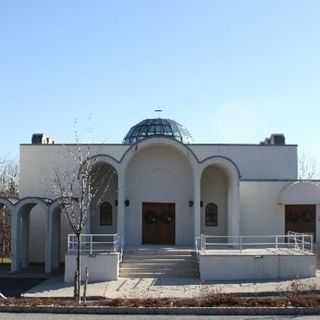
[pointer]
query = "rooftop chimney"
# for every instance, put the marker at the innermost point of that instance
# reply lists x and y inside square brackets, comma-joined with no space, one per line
[41,138]
[277,139]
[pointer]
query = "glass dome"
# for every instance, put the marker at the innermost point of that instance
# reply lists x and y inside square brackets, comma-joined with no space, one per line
[157,127]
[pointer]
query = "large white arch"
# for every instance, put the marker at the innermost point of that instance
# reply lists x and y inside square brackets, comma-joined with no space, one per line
[151,142]
[20,230]
[157,141]
[233,201]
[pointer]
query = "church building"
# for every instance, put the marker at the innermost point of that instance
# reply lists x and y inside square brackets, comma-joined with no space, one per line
[165,190]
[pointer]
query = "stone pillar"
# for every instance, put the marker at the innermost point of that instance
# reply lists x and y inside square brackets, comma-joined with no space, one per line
[49,250]
[121,208]
[15,232]
[197,200]
[317,235]
[25,229]
[234,208]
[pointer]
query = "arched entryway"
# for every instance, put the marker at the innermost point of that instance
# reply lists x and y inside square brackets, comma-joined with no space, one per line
[104,206]
[301,207]
[220,197]
[159,175]
[104,188]
[25,233]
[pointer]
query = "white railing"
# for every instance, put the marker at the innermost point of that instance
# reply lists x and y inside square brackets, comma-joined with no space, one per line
[93,244]
[292,241]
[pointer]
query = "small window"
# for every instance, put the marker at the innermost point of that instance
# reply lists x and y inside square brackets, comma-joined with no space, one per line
[211,215]
[106,214]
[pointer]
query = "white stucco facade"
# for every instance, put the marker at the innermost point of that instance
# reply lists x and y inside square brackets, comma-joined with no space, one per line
[250,185]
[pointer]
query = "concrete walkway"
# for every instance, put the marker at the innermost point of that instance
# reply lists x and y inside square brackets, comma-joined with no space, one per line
[166,287]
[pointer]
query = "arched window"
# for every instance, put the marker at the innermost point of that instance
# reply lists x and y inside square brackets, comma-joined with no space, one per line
[106,214]
[211,215]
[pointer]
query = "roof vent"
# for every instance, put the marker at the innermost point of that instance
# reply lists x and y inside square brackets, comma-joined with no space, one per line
[277,139]
[41,138]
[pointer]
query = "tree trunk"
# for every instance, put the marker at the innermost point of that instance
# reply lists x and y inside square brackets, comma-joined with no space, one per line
[78,285]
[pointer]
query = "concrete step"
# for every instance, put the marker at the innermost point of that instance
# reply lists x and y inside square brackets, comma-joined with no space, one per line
[161,263]
[156,260]
[159,252]
[159,266]
[153,262]
[158,256]
[133,275]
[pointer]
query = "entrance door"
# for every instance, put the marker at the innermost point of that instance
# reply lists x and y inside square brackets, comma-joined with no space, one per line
[158,223]
[301,218]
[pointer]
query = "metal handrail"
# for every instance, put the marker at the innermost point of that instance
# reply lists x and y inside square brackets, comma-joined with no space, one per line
[294,241]
[89,244]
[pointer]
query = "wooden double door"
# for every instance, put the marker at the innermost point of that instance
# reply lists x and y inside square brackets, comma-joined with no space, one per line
[301,218]
[158,223]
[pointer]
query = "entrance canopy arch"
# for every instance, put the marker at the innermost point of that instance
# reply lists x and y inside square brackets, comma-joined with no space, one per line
[301,204]
[300,192]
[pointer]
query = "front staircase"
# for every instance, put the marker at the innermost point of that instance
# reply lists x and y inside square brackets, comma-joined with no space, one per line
[150,262]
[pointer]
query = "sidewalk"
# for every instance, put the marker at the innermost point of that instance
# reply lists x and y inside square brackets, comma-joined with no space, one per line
[166,287]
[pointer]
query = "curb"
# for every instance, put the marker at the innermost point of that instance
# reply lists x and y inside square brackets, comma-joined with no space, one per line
[164,311]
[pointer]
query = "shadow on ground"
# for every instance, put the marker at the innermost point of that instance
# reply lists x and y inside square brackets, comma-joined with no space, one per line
[14,287]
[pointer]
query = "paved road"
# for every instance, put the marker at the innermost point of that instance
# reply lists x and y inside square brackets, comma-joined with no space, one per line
[8,316]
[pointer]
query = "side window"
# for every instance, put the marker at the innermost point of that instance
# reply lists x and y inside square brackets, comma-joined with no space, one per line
[106,214]
[211,215]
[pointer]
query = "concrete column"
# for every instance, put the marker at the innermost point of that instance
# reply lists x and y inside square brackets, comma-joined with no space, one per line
[121,208]
[234,208]
[15,231]
[317,224]
[197,200]
[56,239]
[25,229]
[49,251]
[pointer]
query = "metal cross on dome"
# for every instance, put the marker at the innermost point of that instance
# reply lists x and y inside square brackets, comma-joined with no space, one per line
[158,110]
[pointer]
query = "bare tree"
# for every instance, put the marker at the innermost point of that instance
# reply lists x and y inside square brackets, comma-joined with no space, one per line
[9,179]
[76,189]
[8,188]
[308,167]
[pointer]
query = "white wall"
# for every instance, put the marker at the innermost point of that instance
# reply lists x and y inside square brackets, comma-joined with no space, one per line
[261,213]
[255,161]
[251,267]
[159,174]
[102,267]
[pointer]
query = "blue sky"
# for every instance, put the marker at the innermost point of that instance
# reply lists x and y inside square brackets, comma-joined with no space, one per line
[230,71]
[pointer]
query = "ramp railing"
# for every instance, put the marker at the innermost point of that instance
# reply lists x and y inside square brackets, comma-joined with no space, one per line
[93,244]
[293,241]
